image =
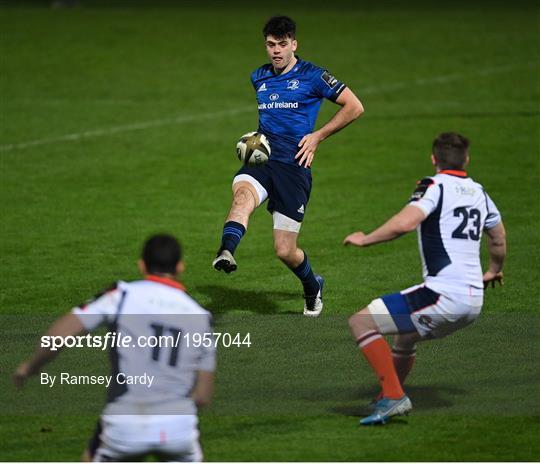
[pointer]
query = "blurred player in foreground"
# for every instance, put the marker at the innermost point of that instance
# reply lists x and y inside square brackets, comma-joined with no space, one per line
[449,211]
[139,421]
[289,95]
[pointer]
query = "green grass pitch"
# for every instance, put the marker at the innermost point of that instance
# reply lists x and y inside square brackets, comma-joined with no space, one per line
[119,120]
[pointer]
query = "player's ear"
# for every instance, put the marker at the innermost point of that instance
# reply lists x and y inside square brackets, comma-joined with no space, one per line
[294,44]
[142,267]
[180,267]
[433,160]
[467,159]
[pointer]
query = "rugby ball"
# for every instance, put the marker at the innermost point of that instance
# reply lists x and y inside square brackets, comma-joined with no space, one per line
[253,149]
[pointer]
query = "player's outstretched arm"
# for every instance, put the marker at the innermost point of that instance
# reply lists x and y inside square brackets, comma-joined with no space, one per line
[497,254]
[204,388]
[65,326]
[405,221]
[351,109]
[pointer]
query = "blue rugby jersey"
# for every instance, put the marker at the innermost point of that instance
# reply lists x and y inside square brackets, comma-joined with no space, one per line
[289,104]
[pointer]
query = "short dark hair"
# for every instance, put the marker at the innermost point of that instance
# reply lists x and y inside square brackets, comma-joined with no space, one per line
[161,253]
[280,26]
[450,150]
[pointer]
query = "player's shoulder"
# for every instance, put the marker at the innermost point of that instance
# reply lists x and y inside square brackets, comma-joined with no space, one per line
[304,67]
[320,76]
[154,284]
[307,68]
[114,288]
[193,306]
[108,294]
[427,181]
[129,285]
[457,177]
[262,72]
[422,186]
[171,289]
[476,184]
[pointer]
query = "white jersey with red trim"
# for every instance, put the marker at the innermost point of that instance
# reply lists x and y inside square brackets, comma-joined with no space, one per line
[458,210]
[156,371]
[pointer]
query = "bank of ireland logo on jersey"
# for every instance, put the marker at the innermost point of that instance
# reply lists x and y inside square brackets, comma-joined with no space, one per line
[274,96]
[293,84]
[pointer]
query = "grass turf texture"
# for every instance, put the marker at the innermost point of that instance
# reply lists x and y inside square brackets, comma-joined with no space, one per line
[74,212]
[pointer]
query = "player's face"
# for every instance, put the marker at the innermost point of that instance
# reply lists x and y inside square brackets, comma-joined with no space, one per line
[280,51]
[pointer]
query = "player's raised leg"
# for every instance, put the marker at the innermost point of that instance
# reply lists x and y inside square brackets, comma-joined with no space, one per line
[285,245]
[245,199]
[366,332]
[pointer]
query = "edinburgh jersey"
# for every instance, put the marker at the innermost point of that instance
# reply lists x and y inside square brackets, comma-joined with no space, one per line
[162,321]
[289,104]
[458,210]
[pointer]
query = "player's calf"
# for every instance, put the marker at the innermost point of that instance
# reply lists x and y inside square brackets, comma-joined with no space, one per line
[404,353]
[297,261]
[403,357]
[377,352]
[245,200]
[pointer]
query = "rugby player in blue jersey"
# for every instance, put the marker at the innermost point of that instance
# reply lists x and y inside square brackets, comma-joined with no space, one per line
[289,95]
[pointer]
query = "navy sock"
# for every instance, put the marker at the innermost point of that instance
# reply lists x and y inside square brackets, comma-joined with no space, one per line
[306,276]
[232,233]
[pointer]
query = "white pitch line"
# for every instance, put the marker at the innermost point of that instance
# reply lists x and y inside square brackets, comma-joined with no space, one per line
[124,128]
[217,114]
[443,79]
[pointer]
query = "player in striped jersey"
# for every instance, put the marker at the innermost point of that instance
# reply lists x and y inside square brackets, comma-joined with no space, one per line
[449,211]
[158,419]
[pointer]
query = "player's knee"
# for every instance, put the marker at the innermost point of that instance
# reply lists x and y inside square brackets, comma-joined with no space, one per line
[354,321]
[284,251]
[360,320]
[243,200]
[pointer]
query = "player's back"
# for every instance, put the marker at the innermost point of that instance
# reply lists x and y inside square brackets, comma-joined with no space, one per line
[155,372]
[449,238]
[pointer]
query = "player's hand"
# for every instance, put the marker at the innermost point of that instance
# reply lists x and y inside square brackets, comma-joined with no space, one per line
[356,239]
[21,374]
[492,277]
[308,145]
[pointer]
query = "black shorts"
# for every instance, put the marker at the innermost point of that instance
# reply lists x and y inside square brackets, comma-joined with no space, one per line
[288,187]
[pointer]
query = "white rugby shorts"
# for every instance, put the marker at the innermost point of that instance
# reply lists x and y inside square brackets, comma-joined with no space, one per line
[131,437]
[420,309]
